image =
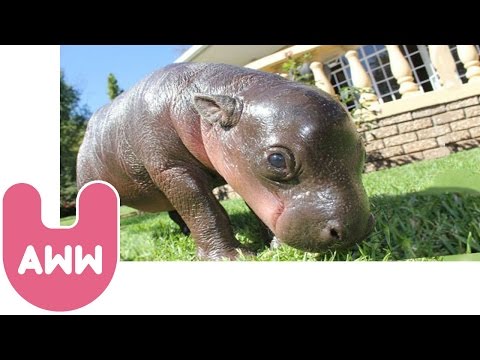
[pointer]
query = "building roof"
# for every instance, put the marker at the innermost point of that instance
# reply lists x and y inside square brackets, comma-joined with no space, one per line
[229,54]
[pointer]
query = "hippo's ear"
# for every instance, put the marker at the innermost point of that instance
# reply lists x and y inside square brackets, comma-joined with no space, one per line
[225,110]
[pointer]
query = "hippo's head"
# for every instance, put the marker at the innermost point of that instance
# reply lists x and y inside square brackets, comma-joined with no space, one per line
[293,153]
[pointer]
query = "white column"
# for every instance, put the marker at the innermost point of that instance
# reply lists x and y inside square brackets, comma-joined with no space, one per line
[469,56]
[321,80]
[402,72]
[444,63]
[361,80]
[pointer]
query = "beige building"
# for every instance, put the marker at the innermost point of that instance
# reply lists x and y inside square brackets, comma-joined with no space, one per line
[416,102]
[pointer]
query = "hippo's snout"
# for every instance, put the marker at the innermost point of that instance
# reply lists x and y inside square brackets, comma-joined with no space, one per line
[338,225]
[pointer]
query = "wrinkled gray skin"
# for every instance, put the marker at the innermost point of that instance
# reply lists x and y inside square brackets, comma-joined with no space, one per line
[187,128]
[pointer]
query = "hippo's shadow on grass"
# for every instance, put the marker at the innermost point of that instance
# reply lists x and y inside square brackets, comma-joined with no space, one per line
[435,222]
[249,230]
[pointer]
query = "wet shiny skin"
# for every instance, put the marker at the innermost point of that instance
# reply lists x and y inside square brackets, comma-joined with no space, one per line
[291,151]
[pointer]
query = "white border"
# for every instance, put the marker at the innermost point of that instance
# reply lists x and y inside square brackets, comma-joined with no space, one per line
[29,138]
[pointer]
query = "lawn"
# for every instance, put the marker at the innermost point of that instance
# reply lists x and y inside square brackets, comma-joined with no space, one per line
[426,210]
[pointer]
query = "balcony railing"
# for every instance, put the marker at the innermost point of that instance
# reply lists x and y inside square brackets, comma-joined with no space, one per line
[440,57]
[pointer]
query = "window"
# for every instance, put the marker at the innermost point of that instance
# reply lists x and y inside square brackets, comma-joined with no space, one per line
[375,61]
[340,77]
[423,71]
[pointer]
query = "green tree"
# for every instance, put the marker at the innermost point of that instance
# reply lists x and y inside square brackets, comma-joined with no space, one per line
[113,88]
[73,120]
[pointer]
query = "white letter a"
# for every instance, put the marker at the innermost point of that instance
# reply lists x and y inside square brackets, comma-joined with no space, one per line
[30,261]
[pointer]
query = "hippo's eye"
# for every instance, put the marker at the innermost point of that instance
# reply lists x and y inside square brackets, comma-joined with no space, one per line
[277,160]
[279,164]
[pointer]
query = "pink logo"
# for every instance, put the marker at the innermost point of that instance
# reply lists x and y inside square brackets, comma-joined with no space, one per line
[65,268]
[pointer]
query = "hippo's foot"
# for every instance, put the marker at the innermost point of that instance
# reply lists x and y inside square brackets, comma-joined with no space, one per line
[233,254]
[275,243]
[175,216]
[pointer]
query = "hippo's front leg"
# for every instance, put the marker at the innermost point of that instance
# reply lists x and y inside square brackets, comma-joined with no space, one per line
[189,193]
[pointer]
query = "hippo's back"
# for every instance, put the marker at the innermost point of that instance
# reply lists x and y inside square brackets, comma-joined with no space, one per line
[155,120]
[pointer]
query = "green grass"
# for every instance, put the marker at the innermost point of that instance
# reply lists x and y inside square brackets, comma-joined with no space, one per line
[427,210]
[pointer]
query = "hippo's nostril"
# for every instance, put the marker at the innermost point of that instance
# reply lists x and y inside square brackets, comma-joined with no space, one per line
[331,231]
[334,234]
